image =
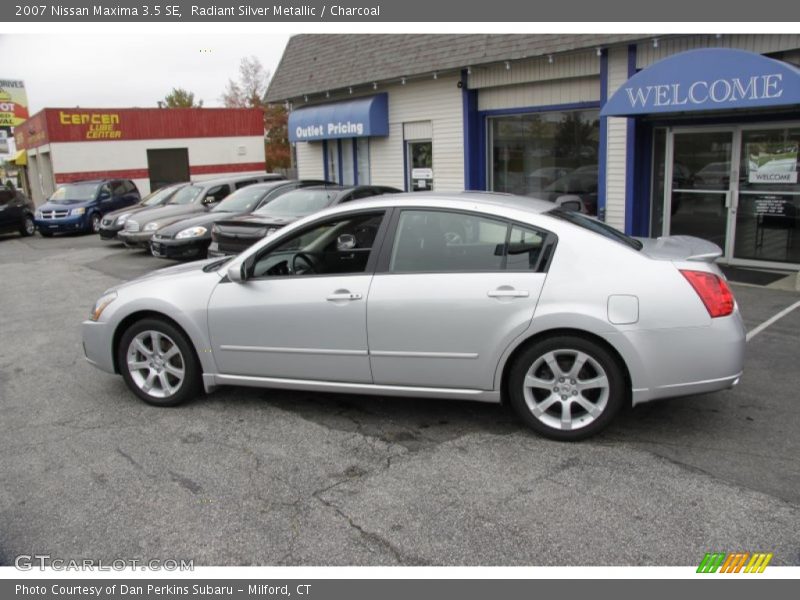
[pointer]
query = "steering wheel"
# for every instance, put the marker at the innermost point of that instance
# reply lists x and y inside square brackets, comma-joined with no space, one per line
[453,238]
[300,269]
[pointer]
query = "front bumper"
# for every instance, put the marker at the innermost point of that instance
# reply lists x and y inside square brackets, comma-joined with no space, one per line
[139,239]
[65,224]
[98,345]
[184,248]
[110,233]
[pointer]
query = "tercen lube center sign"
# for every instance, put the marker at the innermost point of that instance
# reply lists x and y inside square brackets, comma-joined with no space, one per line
[708,79]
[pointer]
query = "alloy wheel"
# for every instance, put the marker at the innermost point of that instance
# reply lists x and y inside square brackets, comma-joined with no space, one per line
[156,364]
[566,389]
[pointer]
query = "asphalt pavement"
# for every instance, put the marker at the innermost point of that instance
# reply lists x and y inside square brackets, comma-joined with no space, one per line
[263,477]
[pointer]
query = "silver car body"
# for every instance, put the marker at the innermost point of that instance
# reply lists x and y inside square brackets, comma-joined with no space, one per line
[446,335]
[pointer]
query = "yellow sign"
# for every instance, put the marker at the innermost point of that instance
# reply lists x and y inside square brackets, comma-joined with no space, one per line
[100,126]
[13,103]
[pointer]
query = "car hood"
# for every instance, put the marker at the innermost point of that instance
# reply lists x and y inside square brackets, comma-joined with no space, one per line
[205,219]
[168,212]
[256,220]
[48,206]
[191,269]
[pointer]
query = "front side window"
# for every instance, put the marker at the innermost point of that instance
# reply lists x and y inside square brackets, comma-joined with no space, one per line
[215,194]
[339,247]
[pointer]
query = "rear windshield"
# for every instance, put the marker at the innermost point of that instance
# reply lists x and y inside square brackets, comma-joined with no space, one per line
[74,192]
[585,222]
[298,203]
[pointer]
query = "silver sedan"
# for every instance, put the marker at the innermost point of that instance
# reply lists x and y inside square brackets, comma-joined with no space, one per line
[470,296]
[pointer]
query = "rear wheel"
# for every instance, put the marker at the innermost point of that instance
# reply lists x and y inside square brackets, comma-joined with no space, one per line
[566,388]
[28,227]
[158,363]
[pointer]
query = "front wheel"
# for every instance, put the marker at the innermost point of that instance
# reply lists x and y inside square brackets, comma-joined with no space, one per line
[158,363]
[566,388]
[94,223]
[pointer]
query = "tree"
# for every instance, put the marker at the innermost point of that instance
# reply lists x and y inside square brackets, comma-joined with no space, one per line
[250,91]
[180,98]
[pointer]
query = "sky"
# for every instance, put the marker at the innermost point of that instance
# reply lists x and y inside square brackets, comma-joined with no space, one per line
[104,71]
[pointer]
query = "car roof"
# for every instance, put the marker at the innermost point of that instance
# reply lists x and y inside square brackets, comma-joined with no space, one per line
[221,180]
[456,200]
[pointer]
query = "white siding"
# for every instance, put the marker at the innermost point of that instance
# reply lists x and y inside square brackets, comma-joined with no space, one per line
[438,101]
[310,162]
[420,130]
[616,143]
[564,66]
[566,91]
[762,44]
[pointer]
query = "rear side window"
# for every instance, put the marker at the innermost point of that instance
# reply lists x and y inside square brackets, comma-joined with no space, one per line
[436,242]
[240,184]
[594,225]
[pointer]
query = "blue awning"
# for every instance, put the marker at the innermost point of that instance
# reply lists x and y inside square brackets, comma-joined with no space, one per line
[362,117]
[705,80]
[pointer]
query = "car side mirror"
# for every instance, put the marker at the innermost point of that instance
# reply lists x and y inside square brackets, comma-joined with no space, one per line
[345,242]
[237,272]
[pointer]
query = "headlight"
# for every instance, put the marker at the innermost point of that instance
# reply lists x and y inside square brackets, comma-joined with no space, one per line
[122,218]
[151,226]
[38,214]
[191,232]
[101,304]
[76,212]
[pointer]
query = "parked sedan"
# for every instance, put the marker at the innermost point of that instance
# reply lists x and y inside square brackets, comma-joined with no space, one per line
[113,222]
[80,206]
[231,236]
[196,198]
[469,296]
[16,212]
[191,237]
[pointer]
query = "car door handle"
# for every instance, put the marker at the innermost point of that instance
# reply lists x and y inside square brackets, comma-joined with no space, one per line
[339,295]
[507,292]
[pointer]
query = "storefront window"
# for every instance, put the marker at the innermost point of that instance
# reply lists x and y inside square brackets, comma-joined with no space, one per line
[332,160]
[547,155]
[768,215]
[348,172]
[362,161]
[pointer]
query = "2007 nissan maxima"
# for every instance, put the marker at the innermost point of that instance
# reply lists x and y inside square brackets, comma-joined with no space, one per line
[470,296]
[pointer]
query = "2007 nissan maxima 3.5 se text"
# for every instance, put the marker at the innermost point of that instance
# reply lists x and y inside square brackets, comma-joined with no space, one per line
[474,296]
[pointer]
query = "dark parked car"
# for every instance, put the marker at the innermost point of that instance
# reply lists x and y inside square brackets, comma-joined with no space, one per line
[231,236]
[16,212]
[113,222]
[191,237]
[196,198]
[80,206]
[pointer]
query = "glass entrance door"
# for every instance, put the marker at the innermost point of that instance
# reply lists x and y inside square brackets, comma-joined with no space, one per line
[700,190]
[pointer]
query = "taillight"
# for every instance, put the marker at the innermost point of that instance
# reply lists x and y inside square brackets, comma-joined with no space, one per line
[713,291]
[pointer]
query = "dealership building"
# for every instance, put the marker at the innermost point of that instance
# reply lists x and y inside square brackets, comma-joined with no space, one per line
[151,146]
[657,135]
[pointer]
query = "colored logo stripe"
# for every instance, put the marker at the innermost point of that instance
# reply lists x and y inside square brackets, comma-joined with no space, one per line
[758,563]
[734,562]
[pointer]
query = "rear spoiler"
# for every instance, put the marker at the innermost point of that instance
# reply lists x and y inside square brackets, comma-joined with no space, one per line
[681,247]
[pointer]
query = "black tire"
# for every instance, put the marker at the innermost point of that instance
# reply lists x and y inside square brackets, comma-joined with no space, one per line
[191,385]
[571,396]
[28,227]
[94,223]
[46,233]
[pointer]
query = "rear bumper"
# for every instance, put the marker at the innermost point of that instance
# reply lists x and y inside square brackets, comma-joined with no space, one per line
[688,361]
[97,345]
[170,248]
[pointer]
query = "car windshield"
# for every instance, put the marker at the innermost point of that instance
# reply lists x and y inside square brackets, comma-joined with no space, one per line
[580,220]
[298,203]
[74,192]
[185,195]
[158,197]
[243,200]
